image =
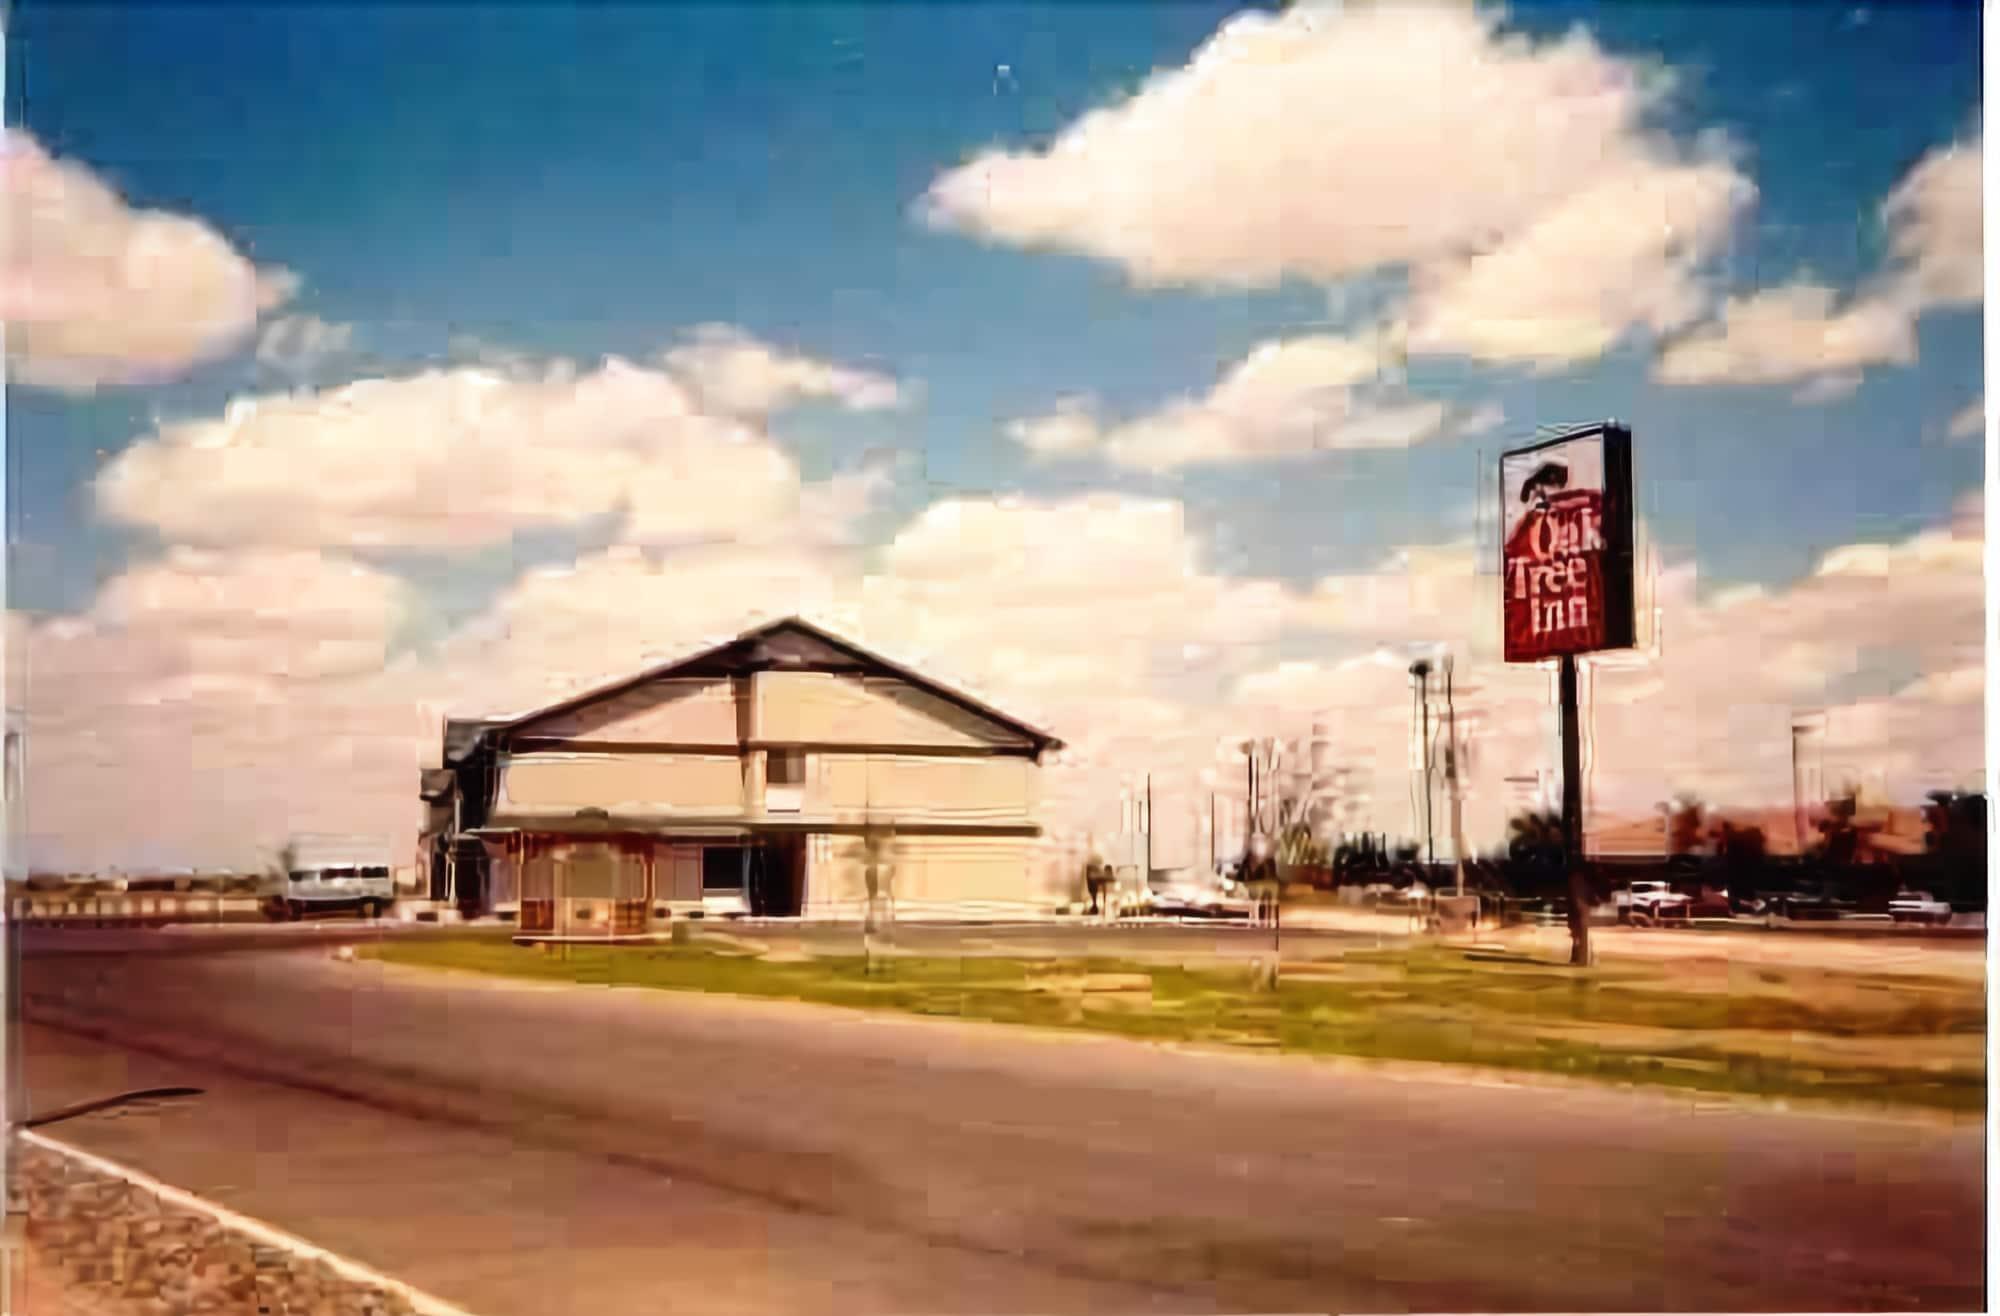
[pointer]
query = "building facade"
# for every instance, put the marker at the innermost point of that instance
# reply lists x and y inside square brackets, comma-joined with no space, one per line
[769,776]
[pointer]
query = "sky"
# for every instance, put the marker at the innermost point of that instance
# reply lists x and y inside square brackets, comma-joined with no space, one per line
[1141,369]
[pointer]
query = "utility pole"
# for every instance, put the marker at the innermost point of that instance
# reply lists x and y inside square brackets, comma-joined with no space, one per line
[1421,670]
[1798,794]
[1211,832]
[1149,829]
[1572,812]
[1451,779]
[1250,805]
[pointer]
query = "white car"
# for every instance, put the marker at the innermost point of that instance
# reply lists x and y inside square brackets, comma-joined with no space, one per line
[1652,900]
[1918,907]
[1186,893]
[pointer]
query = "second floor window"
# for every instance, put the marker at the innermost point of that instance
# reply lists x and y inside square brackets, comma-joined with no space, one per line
[787,768]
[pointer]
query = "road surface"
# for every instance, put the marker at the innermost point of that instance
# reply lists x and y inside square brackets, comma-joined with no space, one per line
[531,1149]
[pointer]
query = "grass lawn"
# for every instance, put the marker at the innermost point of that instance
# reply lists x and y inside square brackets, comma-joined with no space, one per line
[1768,1031]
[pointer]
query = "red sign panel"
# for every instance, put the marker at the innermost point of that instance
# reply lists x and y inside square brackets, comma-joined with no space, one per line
[1566,554]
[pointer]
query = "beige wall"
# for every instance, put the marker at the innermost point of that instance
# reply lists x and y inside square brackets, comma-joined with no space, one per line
[674,711]
[994,790]
[821,708]
[660,785]
[933,871]
[677,872]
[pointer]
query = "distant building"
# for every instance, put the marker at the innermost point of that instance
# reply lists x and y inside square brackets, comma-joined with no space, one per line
[746,778]
[1884,832]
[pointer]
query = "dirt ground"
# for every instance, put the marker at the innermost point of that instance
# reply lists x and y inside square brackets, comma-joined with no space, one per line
[1963,958]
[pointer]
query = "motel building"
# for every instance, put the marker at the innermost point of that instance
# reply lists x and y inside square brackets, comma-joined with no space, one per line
[750,779]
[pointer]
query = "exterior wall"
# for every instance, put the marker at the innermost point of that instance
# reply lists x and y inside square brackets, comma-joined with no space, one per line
[823,708]
[585,888]
[671,711]
[996,875]
[644,785]
[849,788]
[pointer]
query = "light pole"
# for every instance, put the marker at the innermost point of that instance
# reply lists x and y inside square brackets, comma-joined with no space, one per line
[1420,672]
[1801,727]
[1451,779]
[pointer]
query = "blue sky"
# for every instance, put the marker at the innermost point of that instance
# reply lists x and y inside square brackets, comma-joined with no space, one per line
[589,183]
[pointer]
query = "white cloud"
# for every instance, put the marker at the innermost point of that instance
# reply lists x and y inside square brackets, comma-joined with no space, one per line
[1102,617]
[1790,333]
[1803,331]
[1936,217]
[457,458]
[209,704]
[735,374]
[95,292]
[296,344]
[1288,398]
[1625,252]
[1072,428]
[1516,179]
[298,614]
[1969,423]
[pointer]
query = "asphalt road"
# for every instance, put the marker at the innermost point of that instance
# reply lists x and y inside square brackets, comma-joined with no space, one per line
[527,1149]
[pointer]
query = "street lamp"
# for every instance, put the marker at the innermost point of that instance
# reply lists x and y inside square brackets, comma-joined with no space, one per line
[1420,673]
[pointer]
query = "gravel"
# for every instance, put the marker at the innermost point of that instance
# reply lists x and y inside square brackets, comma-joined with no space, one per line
[119,1249]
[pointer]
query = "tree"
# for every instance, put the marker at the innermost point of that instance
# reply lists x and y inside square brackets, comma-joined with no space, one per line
[1955,844]
[1535,843]
[1955,825]
[878,878]
[1741,850]
[1684,826]
[1839,838]
[1539,848]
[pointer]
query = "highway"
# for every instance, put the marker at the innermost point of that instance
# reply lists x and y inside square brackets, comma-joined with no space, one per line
[527,1149]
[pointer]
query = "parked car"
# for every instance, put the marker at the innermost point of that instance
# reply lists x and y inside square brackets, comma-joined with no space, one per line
[1810,905]
[1918,907]
[1650,902]
[1188,893]
[364,889]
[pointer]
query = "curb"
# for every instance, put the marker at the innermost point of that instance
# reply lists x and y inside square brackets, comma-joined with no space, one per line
[269,1235]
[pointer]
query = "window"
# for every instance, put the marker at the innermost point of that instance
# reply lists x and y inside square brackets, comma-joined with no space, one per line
[721,869]
[787,768]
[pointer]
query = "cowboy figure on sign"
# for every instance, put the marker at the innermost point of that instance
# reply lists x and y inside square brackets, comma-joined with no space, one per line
[1549,476]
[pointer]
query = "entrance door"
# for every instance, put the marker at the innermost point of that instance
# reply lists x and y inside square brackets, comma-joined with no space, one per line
[587,881]
[777,876]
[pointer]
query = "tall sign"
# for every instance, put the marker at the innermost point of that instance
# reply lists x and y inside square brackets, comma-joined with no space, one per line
[1566,556]
[1566,589]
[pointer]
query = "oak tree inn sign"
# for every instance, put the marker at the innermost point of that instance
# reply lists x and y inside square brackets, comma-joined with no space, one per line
[1566,555]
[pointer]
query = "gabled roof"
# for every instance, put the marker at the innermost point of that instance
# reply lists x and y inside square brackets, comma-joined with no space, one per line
[751,651]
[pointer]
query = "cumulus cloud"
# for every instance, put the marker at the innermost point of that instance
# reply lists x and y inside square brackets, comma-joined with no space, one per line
[1790,333]
[1936,217]
[1518,180]
[1069,430]
[1969,423]
[1288,398]
[296,344]
[95,292]
[1625,252]
[1804,331]
[457,458]
[208,704]
[1103,617]
[736,374]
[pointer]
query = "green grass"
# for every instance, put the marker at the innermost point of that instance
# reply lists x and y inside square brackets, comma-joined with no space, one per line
[1427,1004]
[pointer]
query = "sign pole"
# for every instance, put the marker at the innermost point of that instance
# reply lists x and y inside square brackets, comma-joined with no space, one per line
[1572,811]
